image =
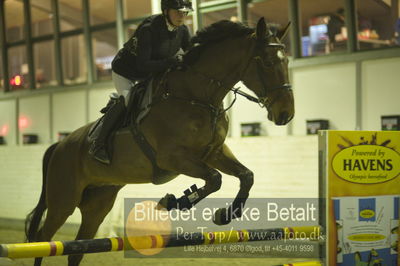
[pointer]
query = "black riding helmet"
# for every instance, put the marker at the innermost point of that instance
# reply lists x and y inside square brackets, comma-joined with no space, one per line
[181,5]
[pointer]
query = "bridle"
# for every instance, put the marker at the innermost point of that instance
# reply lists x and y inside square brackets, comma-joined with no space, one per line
[217,111]
[258,56]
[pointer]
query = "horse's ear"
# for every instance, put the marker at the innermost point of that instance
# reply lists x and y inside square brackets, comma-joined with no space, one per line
[283,32]
[261,29]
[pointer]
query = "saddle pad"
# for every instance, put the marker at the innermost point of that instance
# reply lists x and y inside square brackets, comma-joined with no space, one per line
[146,102]
[95,130]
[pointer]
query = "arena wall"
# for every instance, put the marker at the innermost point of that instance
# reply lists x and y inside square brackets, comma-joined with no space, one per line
[351,95]
[283,167]
[381,91]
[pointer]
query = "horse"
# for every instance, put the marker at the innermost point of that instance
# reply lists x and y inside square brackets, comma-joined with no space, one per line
[186,127]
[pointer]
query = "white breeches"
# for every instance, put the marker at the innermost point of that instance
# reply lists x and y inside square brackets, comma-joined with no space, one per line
[122,85]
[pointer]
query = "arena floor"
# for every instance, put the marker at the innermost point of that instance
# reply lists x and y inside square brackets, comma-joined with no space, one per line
[117,258]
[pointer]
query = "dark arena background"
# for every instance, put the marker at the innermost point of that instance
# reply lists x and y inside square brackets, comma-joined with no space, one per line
[342,59]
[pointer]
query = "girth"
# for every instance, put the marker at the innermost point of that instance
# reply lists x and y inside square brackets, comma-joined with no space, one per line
[147,149]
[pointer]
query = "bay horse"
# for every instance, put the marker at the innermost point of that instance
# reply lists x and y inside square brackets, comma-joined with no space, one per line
[186,128]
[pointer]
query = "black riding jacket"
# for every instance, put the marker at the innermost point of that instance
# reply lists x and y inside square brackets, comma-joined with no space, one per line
[151,49]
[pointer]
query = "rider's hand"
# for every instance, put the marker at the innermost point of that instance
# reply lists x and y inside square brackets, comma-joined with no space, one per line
[176,62]
[179,58]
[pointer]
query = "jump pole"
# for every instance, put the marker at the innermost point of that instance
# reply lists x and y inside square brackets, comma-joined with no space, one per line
[308,263]
[58,248]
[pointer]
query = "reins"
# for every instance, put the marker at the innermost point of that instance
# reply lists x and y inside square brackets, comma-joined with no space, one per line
[217,111]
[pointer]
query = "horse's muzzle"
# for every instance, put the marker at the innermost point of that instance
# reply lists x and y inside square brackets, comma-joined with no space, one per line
[283,119]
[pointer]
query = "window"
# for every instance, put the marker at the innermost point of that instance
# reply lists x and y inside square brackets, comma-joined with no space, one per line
[104,50]
[130,30]
[134,9]
[18,68]
[323,27]
[74,59]
[397,32]
[378,24]
[101,11]
[1,74]
[137,8]
[70,15]
[211,17]
[41,15]
[189,23]
[275,12]
[14,16]
[44,63]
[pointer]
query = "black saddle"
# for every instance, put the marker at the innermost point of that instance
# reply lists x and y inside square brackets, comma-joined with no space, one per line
[132,111]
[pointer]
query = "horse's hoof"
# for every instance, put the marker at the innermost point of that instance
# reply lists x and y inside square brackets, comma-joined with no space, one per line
[221,217]
[169,202]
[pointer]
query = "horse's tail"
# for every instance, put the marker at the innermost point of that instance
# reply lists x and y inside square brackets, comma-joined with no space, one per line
[34,218]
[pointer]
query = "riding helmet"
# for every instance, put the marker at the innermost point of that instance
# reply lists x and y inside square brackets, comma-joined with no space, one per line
[181,5]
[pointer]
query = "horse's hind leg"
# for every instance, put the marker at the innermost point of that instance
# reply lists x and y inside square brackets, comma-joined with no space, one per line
[55,218]
[96,203]
[62,199]
[224,160]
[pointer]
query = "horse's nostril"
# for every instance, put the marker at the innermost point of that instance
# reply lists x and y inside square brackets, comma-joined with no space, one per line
[283,117]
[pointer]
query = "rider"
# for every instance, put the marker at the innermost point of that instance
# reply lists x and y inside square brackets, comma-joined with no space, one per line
[154,47]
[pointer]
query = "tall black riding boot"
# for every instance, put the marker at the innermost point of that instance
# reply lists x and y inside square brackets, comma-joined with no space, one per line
[98,148]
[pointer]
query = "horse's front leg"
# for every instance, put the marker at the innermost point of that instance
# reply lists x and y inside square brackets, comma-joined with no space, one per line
[190,166]
[224,160]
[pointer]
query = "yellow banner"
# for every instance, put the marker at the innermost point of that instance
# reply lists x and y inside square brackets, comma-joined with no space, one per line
[363,163]
[358,163]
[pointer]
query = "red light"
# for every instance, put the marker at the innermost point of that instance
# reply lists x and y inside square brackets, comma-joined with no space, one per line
[16,80]
[4,130]
[23,122]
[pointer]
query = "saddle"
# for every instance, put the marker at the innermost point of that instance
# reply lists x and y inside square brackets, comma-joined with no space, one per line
[140,97]
[140,102]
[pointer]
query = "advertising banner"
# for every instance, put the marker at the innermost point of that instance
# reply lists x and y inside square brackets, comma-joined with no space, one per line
[366,230]
[360,187]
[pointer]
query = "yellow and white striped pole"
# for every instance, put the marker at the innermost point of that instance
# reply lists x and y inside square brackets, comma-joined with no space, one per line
[55,248]
[308,263]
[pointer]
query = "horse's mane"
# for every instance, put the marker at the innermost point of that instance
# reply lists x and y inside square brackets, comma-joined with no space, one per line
[213,34]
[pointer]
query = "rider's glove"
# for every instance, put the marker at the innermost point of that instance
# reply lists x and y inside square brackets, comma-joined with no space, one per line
[176,62]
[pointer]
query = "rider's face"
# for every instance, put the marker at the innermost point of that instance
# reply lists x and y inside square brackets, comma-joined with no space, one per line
[177,17]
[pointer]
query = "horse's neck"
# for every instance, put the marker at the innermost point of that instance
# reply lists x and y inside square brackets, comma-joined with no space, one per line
[222,63]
